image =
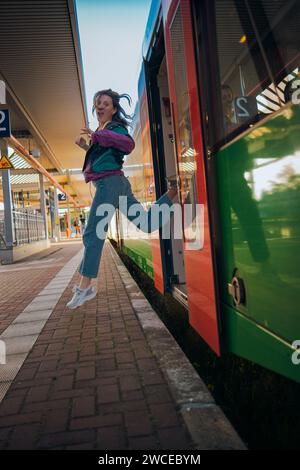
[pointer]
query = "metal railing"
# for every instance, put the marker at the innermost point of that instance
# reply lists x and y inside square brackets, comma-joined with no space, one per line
[2,239]
[28,226]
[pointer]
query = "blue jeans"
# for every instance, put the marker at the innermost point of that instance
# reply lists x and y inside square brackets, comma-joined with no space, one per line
[108,190]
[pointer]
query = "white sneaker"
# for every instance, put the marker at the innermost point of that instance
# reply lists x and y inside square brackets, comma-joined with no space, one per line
[81,295]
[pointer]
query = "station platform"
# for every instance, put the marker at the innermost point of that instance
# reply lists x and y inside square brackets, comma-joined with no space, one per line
[105,376]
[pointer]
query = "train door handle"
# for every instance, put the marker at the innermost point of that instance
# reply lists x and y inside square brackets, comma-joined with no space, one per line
[236,288]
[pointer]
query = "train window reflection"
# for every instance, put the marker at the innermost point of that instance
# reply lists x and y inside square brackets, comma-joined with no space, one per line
[242,67]
[258,60]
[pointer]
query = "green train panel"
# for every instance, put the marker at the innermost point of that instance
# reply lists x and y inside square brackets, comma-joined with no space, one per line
[259,196]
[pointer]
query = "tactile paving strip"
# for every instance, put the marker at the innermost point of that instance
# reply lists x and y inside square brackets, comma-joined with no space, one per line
[20,337]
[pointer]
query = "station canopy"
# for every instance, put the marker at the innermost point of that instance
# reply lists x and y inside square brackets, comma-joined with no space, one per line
[41,65]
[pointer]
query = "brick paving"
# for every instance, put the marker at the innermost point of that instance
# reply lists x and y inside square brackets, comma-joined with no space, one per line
[18,289]
[90,381]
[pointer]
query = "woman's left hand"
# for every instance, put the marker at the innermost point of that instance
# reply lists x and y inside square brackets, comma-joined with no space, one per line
[88,131]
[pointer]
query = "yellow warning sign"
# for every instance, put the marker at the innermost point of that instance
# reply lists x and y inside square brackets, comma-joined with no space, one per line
[5,163]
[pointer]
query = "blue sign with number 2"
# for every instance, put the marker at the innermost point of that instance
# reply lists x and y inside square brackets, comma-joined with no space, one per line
[4,123]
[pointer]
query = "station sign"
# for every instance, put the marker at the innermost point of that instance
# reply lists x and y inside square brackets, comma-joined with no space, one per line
[245,108]
[4,123]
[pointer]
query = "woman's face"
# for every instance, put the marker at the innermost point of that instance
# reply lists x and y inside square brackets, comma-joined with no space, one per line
[104,108]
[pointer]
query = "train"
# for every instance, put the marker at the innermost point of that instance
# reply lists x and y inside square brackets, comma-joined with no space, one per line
[219,109]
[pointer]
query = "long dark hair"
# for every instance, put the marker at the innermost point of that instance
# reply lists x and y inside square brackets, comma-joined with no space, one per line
[120,116]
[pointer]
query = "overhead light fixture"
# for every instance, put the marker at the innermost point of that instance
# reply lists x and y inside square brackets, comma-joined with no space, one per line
[243,39]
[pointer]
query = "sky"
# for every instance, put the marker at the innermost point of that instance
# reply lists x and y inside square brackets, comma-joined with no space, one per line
[111,36]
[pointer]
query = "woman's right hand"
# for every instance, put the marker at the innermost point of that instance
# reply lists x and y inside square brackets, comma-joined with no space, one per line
[81,142]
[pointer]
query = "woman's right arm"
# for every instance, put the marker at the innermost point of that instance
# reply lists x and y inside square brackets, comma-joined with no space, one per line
[81,142]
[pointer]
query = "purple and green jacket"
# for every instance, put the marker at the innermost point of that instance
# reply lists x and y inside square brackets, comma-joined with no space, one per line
[105,156]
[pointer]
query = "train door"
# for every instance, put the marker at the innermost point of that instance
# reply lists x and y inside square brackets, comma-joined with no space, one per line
[252,158]
[177,280]
[184,100]
[169,272]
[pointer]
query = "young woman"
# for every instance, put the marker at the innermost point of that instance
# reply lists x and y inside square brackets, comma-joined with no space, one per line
[103,166]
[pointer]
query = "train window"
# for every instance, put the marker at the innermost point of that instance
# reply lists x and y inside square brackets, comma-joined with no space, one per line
[278,24]
[258,60]
[242,70]
[186,157]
